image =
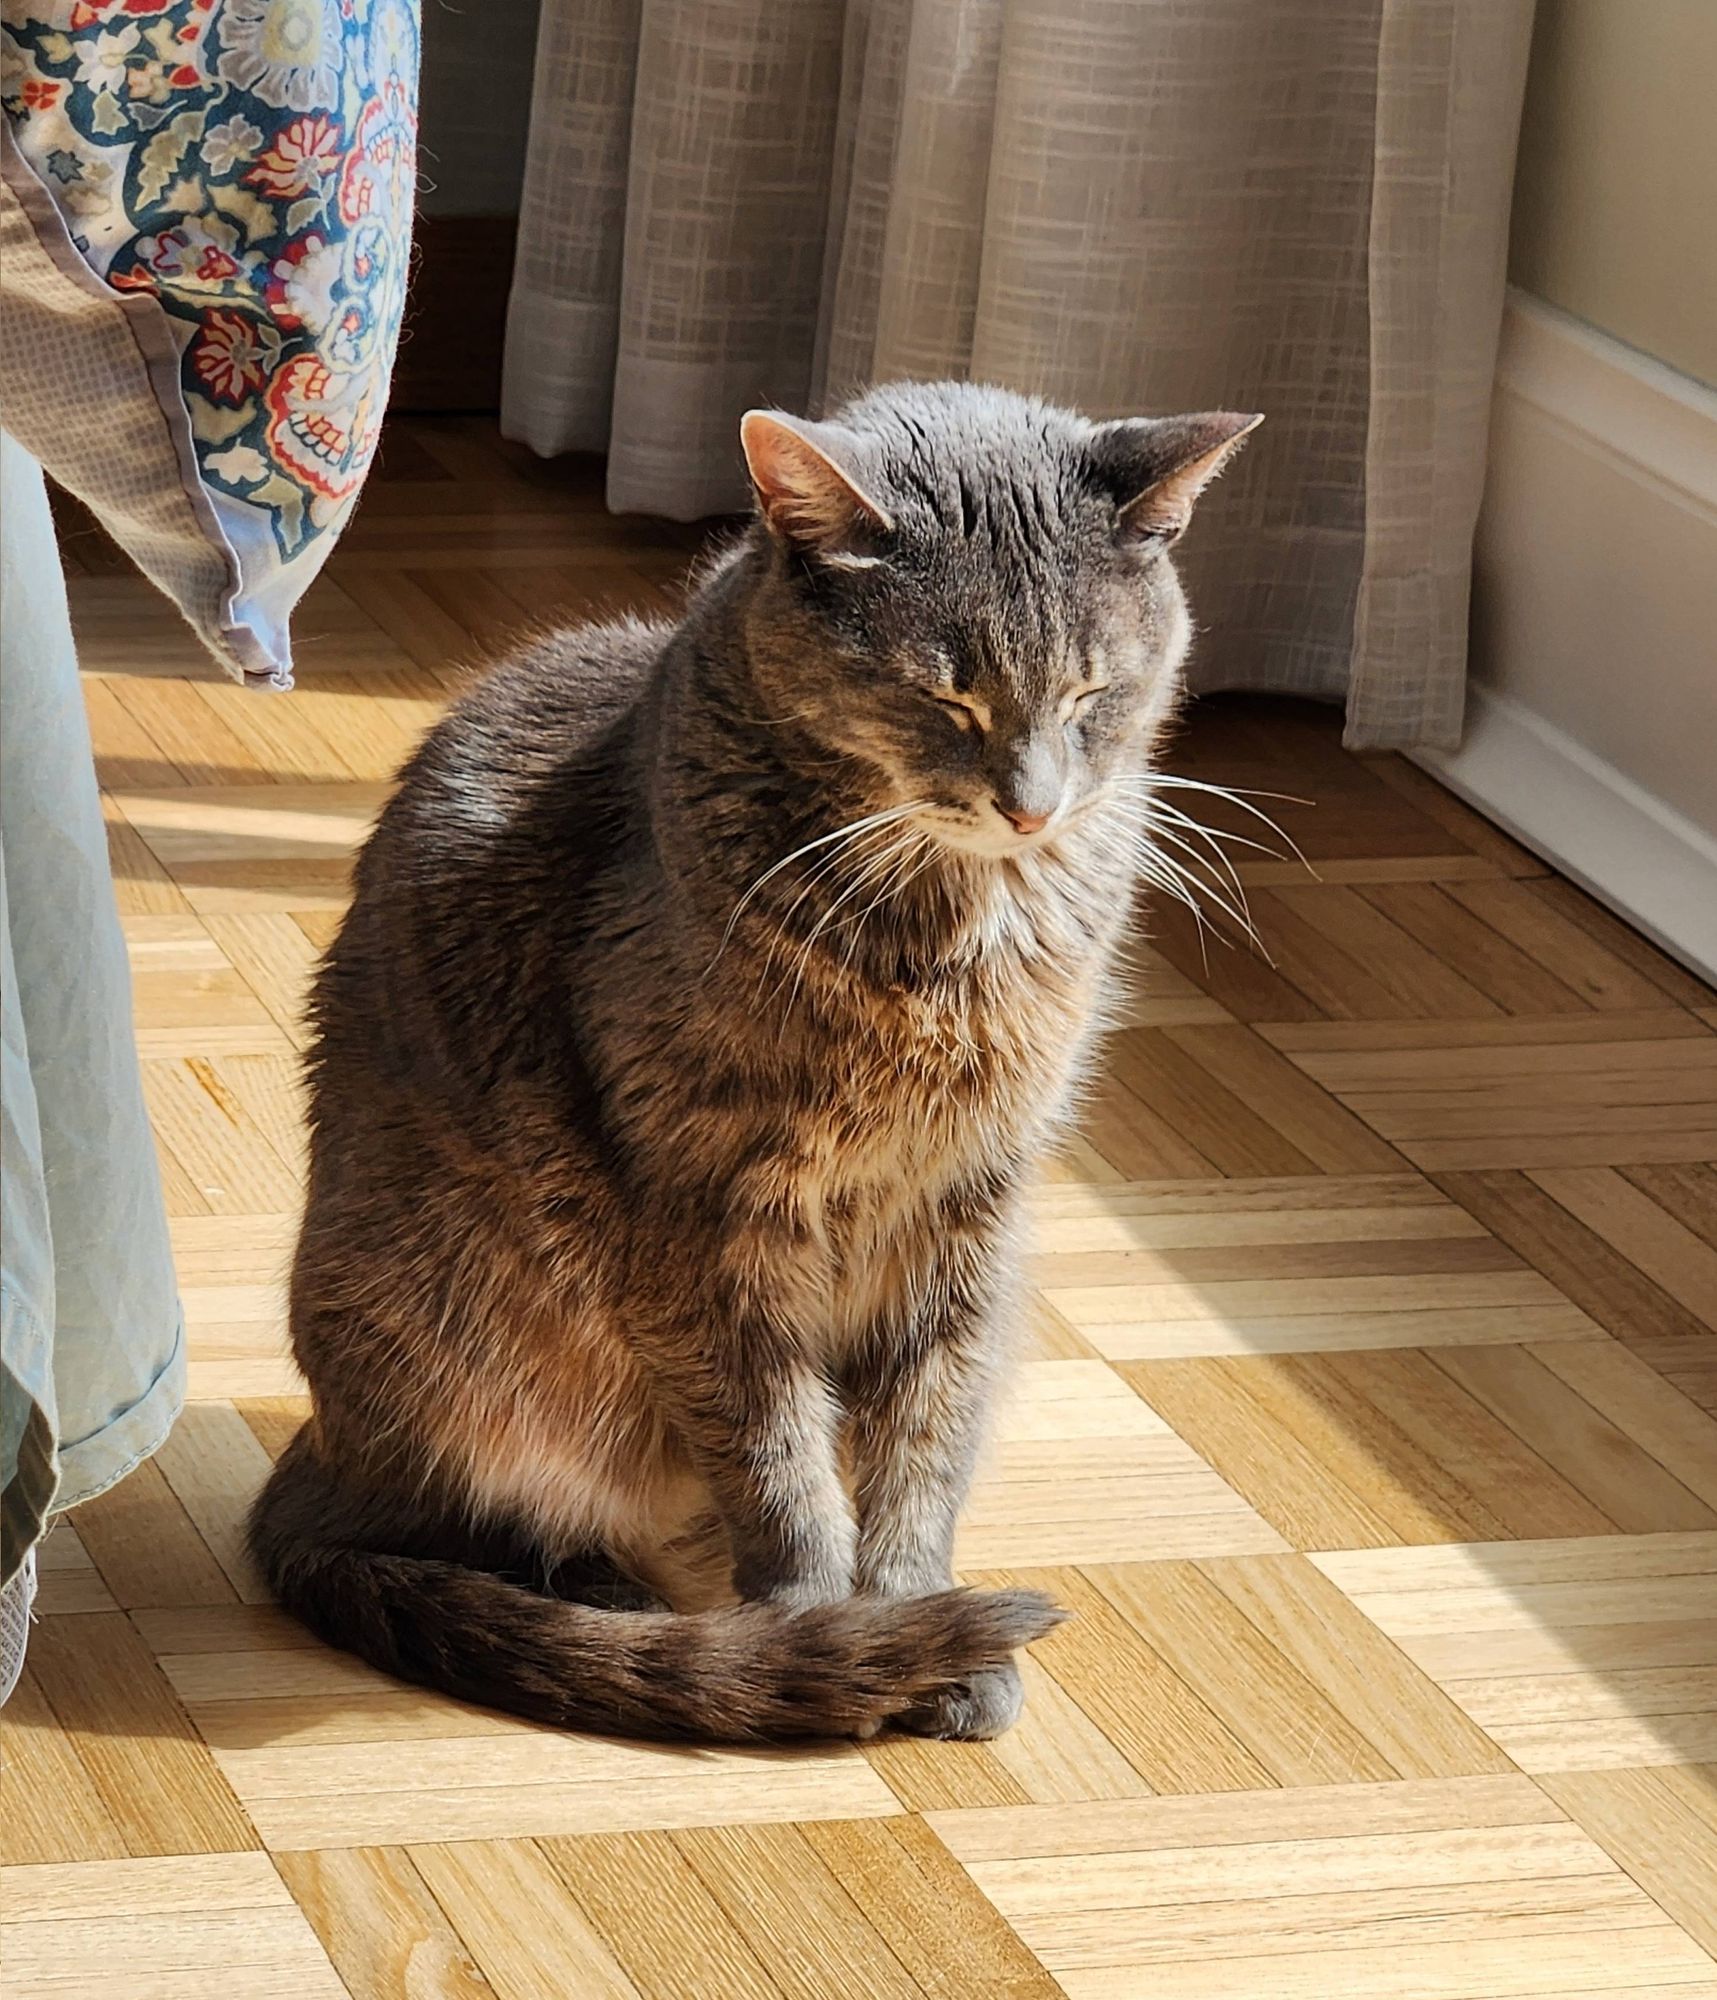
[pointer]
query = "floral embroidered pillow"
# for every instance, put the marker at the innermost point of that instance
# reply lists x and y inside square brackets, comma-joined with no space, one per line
[223,191]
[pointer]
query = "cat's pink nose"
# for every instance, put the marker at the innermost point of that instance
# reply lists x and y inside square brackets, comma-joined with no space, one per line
[1025,822]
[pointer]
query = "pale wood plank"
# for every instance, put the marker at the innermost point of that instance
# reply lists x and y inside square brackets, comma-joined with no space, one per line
[1594,1453]
[1423,980]
[1601,1743]
[1459,1253]
[1658,1825]
[384,1932]
[1057,1751]
[157,1781]
[1216,1820]
[1669,1253]
[464,1810]
[216,1468]
[1393,1705]
[1261,1199]
[1492,962]
[1227,1130]
[1110,1224]
[1534,1967]
[1621,941]
[141,884]
[800,1923]
[151,1886]
[657,1916]
[1660,1420]
[1444,1917]
[1617,1294]
[1594,1559]
[1165,1728]
[147,1547]
[55,1812]
[1301,1496]
[1539,1031]
[176,1954]
[275,958]
[937,1922]
[1574,955]
[1332,1333]
[1343,1863]
[1285,1719]
[1641,1142]
[219,1145]
[515,1915]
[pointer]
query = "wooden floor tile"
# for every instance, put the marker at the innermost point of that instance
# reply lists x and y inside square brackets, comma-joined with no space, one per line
[67,1579]
[1578,1260]
[54,1808]
[1200,1268]
[1465,1890]
[1556,1092]
[1339,1450]
[1578,1656]
[240,848]
[937,1923]
[155,1777]
[147,1548]
[160,1930]
[384,1932]
[1083,1472]
[324,1752]
[517,1917]
[1056,1752]
[1658,1824]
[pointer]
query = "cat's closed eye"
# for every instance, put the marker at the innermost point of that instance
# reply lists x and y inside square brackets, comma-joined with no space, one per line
[1077,698]
[965,715]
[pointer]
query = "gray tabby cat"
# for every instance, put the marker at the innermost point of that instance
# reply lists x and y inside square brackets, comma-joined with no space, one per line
[709,992]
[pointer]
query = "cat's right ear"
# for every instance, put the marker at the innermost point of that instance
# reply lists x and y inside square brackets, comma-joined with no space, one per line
[1156,467]
[811,501]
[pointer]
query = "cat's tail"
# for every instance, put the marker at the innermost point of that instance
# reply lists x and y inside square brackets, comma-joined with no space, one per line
[744,1674]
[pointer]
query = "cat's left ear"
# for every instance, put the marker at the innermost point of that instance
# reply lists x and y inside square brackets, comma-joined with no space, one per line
[1156,467]
[808,484]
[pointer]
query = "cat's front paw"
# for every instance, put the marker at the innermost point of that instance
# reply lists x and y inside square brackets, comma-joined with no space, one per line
[982,1705]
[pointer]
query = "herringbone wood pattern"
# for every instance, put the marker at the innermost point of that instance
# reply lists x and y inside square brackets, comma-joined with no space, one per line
[1368,1428]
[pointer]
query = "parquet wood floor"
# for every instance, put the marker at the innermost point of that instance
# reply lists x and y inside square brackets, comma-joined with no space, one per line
[1368,1426]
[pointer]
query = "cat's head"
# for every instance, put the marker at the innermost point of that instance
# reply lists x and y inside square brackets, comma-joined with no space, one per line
[970,593]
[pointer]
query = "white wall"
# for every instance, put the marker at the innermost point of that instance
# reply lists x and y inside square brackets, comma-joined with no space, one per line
[1592,718]
[1618,166]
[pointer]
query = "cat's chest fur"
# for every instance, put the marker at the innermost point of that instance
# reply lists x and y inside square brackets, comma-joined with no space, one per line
[925,1102]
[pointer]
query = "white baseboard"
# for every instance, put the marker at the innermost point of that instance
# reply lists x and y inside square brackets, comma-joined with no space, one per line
[1649,863]
[1592,710]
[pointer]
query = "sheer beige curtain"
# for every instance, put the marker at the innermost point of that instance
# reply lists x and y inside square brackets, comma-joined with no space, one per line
[1297,206]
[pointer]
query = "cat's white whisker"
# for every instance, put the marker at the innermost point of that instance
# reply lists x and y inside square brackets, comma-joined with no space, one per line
[1238,796]
[810,943]
[1217,859]
[1236,909]
[887,816]
[1164,872]
[827,866]
[1201,889]
[918,845]
[1222,833]
[1159,820]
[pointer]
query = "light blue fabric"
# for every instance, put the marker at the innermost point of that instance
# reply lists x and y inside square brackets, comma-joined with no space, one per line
[92,1335]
